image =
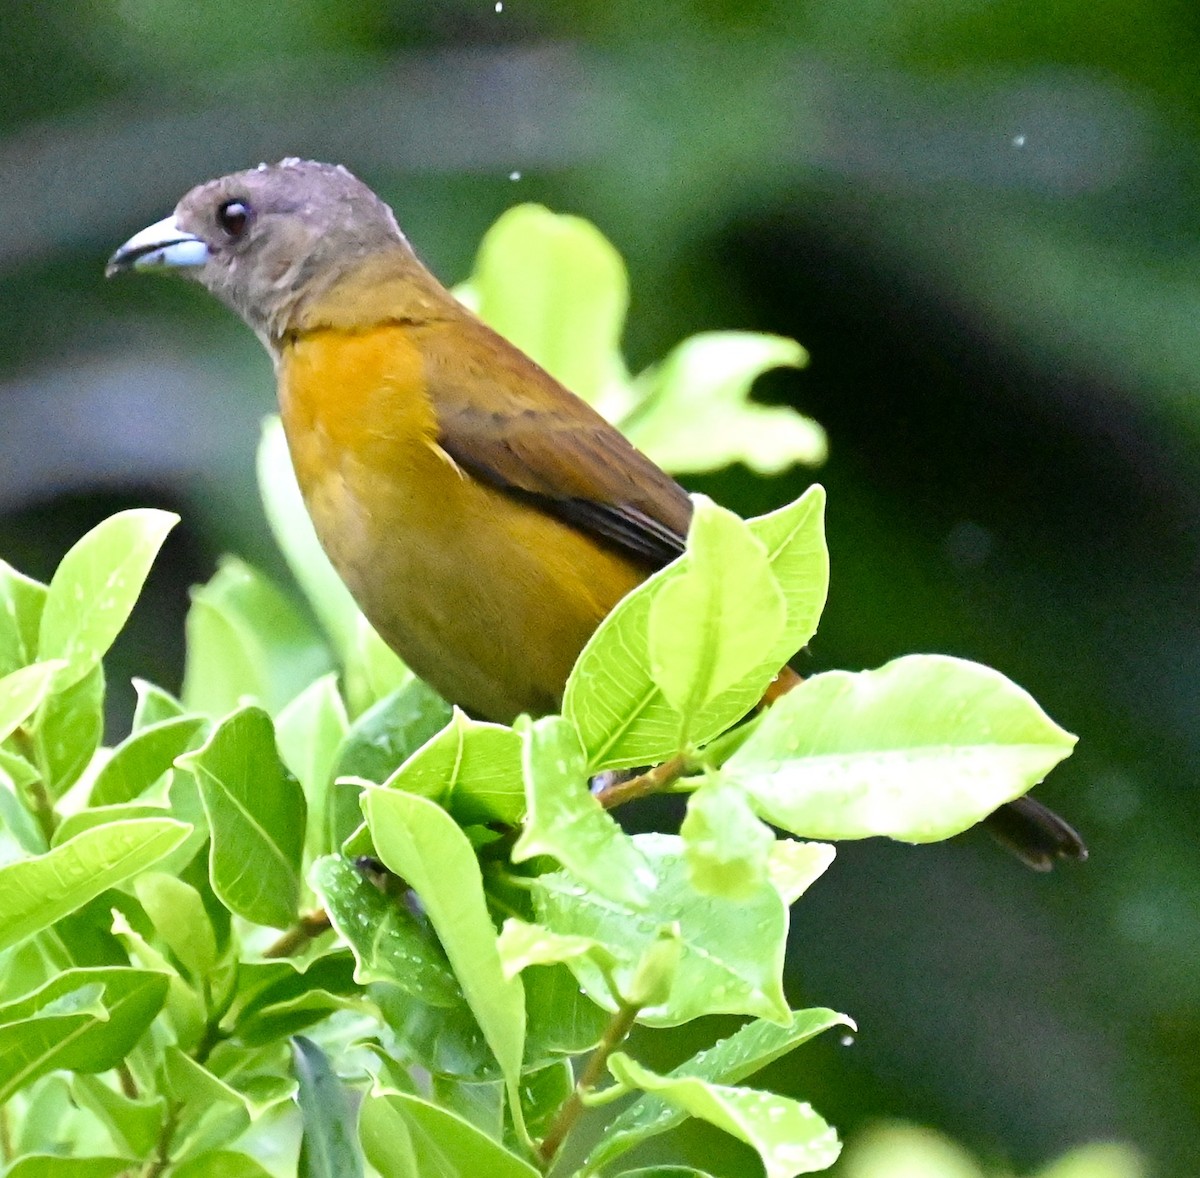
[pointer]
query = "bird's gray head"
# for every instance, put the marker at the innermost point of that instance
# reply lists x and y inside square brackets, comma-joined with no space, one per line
[267,240]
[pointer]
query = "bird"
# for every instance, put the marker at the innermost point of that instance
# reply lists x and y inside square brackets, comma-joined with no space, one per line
[485,518]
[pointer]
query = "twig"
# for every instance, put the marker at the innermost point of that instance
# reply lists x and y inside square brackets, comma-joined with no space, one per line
[310,926]
[653,781]
[615,1033]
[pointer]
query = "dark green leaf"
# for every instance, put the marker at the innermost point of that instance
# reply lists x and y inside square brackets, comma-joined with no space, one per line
[84,1019]
[329,1145]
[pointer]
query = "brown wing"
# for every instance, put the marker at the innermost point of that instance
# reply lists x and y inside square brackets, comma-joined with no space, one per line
[511,424]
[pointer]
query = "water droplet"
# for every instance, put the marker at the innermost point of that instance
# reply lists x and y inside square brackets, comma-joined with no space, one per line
[847,1040]
[514,175]
[1018,141]
[499,5]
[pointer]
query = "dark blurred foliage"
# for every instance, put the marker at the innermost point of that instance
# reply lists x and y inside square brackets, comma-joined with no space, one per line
[980,218]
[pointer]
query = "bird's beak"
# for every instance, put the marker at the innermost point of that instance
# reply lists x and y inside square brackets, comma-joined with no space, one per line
[160,244]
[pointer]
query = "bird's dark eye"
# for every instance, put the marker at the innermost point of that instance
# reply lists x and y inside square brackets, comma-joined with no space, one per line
[233,217]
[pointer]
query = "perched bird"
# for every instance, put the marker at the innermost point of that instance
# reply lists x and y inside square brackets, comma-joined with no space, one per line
[485,518]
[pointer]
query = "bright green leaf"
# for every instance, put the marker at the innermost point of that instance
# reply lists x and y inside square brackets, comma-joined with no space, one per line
[695,415]
[564,820]
[177,912]
[221,1163]
[1104,1159]
[256,813]
[623,718]
[36,892]
[732,950]
[729,1061]
[246,642]
[789,1136]
[329,1145]
[297,539]
[69,729]
[471,769]
[208,1112]
[154,705]
[310,731]
[95,587]
[522,945]
[142,758]
[726,847]
[134,1125]
[419,841]
[21,602]
[554,286]
[406,1137]
[907,1151]
[54,1166]
[21,692]
[919,750]
[793,867]
[710,623]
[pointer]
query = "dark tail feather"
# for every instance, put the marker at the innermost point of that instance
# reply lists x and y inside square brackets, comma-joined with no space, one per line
[1035,834]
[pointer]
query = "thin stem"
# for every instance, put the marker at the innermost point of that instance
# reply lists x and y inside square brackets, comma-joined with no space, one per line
[307,928]
[653,781]
[162,1160]
[129,1086]
[37,791]
[615,1033]
[6,1144]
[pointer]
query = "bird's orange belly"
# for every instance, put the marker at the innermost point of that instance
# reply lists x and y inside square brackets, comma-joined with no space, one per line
[484,596]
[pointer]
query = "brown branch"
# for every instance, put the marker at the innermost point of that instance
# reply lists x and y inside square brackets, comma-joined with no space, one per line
[310,926]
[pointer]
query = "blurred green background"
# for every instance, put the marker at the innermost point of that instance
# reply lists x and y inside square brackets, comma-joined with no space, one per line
[980,218]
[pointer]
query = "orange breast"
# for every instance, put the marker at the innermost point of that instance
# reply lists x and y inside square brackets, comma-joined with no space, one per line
[483,595]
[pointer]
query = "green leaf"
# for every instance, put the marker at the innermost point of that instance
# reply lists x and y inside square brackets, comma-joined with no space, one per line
[246,642]
[208,1112]
[522,945]
[54,1166]
[727,849]
[389,943]
[554,286]
[36,892]
[154,705]
[69,729]
[329,1146]
[665,1172]
[732,950]
[471,769]
[731,1060]
[611,697]
[95,587]
[221,1163]
[21,602]
[406,1137]
[177,912]
[793,867]
[21,693]
[256,813]
[85,1020]
[419,841]
[919,750]
[563,1020]
[565,821]
[695,415]
[1106,1159]
[789,1136]
[710,623]
[297,539]
[134,1125]
[372,669]
[310,731]
[142,758]
[907,1151]
[92,817]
